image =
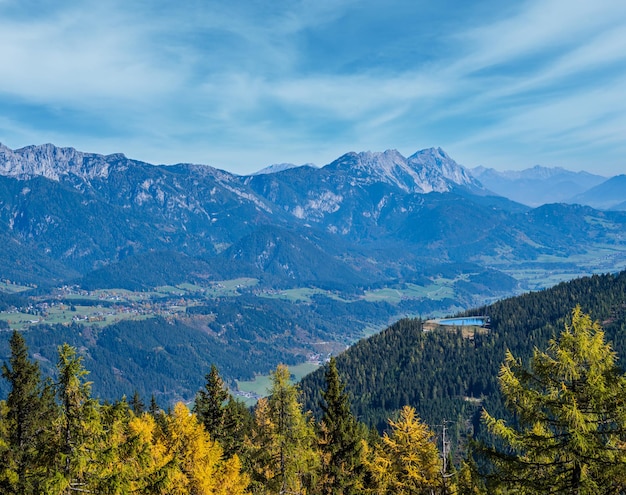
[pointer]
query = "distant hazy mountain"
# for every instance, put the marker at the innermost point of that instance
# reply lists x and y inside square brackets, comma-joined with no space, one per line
[609,195]
[279,167]
[538,185]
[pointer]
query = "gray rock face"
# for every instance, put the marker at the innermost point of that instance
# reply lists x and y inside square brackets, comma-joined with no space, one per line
[438,172]
[53,163]
[429,170]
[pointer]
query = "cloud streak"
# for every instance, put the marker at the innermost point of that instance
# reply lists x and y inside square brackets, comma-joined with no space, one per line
[241,85]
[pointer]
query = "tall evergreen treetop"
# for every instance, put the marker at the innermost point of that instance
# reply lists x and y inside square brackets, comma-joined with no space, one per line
[29,410]
[339,439]
[80,423]
[226,419]
[570,410]
[210,402]
[282,454]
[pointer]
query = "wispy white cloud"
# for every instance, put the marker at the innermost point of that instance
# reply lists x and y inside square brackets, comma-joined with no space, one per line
[247,83]
[79,57]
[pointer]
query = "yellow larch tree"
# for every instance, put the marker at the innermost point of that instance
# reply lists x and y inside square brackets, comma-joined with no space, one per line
[407,460]
[200,458]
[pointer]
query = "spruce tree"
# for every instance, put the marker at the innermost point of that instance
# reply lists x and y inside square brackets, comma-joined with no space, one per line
[136,404]
[569,433]
[28,417]
[339,440]
[226,419]
[210,403]
[237,425]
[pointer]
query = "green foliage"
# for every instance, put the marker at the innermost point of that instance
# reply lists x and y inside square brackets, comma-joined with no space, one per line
[282,455]
[79,425]
[569,434]
[446,376]
[155,356]
[237,426]
[434,372]
[209,404]
[29,406]
[82,446]
[340,440]
[226,419]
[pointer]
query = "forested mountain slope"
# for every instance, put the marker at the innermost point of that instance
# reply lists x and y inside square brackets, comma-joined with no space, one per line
[446,375]
[366,218]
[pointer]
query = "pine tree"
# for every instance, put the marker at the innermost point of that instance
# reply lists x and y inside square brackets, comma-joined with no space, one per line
[570,411]
[210,402]
[136,404]
[339,440]
[30,410]
[237,425]
[154,408]
[226,419]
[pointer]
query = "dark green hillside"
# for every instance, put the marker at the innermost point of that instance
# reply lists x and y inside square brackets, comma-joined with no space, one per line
[166,358]
[559,227]
[282,258]
[169,357]
[277,257]
[23,264]
[148,270]
[440,372]
[459,226]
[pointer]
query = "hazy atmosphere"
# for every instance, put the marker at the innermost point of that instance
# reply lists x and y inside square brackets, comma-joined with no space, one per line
[242,85]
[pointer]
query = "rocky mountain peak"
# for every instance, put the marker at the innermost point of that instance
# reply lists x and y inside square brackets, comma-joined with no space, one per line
[429,170]
[438,172]
[369,167]
[53,162]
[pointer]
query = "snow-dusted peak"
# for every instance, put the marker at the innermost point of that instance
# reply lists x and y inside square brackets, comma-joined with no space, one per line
[52,162]
[280,167]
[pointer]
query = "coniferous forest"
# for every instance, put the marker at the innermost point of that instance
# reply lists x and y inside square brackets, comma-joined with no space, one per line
[536,404]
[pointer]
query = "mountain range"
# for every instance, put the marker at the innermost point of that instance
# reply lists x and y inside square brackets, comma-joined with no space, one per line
[327,254]
[541,185]
[363,219]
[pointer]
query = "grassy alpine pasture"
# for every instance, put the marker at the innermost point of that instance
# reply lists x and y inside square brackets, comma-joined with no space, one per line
[11,288]
[441,288]
[261,384]
[551,269]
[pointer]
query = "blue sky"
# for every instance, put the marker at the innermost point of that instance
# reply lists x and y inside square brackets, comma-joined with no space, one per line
[243,84]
